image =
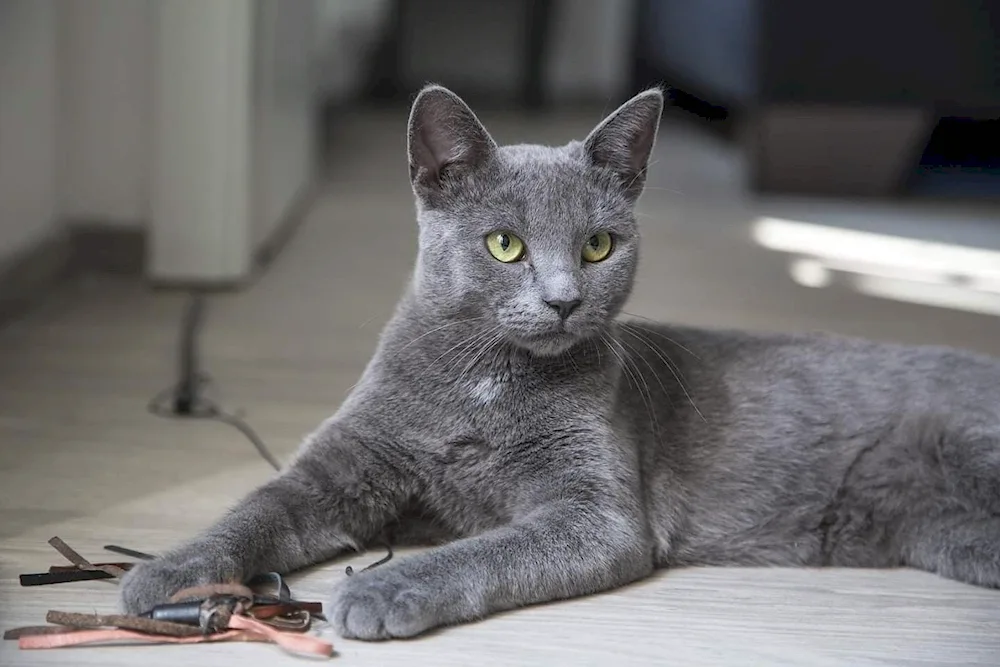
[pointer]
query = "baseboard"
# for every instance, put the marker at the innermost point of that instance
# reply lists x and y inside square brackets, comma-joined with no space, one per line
[109,249]
[88,248]
[32,273]
[75,250]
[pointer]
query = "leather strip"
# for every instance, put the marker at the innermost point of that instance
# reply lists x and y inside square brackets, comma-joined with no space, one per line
[46,578]
[293,643]
[17,633]
[271,610]
[225,612]
[74,568]
[79,637]
[131,553]
[82,562]
[207,591]
[297,621]
[241,628]
[93,621]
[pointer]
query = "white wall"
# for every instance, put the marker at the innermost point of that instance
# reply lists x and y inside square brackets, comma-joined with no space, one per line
[234,131]
[201,159]
[28,56]
[105,110]
[285,86]
[193,120]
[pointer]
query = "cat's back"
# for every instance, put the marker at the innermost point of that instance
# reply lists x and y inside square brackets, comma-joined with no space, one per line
[822,372]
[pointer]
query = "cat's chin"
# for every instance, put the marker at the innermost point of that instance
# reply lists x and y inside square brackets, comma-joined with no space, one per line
[549,344]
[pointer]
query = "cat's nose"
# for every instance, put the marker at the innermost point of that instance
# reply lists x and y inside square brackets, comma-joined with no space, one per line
[564,308]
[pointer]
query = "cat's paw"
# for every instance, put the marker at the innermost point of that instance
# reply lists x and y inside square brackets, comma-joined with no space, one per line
[153,582]
[385,603]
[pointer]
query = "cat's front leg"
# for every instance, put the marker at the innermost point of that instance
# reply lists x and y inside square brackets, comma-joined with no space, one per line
[564,549]
[338,494]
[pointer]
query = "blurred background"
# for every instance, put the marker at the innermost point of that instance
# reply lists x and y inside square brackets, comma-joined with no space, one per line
[820,166]
[195,187]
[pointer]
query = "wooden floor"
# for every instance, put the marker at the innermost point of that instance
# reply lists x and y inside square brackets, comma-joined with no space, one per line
[82,459]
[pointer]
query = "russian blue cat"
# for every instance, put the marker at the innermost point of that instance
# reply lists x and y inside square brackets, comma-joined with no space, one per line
[549,449]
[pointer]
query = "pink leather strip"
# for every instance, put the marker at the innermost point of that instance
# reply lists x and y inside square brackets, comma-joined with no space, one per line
[80,637]
[292,642]
[242,628]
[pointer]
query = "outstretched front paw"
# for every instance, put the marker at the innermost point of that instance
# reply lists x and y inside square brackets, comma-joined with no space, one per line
[387,603]
[151,583]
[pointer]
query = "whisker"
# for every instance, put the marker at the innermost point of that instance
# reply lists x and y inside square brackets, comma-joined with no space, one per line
[572,361]
[462,343]
[657,333]
[671,366]
[597,349]
[652,370]
[496,355]
[671,190]
[435,330]
[660,352]
[614,352]
[471,348]
[367,322]
[654,423]
[630,373]
[482,352]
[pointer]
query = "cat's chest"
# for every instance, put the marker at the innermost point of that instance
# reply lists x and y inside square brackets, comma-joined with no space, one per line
[489,390]
[494,411]
[498,405]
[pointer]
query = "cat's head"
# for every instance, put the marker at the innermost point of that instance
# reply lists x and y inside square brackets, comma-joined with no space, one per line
[539,242]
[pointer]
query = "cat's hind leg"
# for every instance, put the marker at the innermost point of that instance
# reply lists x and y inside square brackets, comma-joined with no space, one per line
[924,494]
[954,530]
[961,545]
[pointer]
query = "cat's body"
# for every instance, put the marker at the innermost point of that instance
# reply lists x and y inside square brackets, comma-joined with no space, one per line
[553,452]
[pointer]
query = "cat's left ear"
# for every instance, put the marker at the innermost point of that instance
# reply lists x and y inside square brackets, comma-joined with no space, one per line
[624,140]
[445,139]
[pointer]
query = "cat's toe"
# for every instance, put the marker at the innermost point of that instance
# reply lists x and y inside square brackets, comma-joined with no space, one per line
[152,583]
[382,605]
[147,585]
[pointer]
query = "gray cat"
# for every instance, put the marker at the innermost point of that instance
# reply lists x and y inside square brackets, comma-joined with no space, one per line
[551,451]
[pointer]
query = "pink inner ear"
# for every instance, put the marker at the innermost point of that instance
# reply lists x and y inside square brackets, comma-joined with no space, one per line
[430,150]
[641,146]
[625,141]
[445,133]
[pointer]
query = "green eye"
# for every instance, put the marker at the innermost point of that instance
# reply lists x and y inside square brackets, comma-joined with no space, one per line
[597,247]
[505,246]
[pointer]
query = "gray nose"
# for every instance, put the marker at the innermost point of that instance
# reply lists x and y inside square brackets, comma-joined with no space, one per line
[564,308]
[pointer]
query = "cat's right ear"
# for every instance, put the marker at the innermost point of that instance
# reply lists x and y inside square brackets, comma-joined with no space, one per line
[444,140]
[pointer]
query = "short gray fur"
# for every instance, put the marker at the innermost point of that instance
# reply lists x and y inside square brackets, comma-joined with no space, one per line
[550,458]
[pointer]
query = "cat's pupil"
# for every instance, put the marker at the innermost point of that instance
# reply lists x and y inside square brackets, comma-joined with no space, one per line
[504,241]
[594,243]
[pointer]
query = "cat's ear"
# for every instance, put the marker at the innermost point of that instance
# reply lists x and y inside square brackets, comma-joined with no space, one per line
[444,139]
[624,140]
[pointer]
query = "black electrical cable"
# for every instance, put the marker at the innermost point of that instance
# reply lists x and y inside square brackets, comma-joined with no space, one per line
[186,400]
[186,391]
